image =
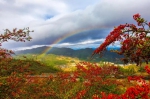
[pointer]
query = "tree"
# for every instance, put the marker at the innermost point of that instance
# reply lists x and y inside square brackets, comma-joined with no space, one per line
[134,41]
[20,35]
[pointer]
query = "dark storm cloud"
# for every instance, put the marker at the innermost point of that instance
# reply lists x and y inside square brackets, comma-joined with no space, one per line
[86,35]
[77,38]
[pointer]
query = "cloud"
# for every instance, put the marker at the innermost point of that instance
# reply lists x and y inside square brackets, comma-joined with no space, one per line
[51,19]
[105,14]
[90,43]
[21,12]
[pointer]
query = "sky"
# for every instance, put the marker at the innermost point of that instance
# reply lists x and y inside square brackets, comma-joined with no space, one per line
[87,22]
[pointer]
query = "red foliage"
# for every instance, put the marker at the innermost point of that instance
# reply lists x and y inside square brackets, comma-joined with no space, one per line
[147,69]
[17,35]
[80,94]
[133,41]
[136,78]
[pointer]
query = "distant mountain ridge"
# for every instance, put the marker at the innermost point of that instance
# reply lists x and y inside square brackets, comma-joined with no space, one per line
[83,54]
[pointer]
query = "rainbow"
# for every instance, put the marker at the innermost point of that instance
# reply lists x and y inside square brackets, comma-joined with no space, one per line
[67,36]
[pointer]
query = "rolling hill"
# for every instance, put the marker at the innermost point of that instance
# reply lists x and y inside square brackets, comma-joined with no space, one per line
[83,54]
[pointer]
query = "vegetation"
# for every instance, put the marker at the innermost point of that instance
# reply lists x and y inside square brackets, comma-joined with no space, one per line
[20,35]
[134,41]
[86,81]
[49,60]
[17,65]
[82,54]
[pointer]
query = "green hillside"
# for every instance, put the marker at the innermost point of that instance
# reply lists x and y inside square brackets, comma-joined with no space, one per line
[82,54]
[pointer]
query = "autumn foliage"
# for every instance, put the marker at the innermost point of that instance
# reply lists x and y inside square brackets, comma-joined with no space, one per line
[134,41]
[89,81]
[20,35]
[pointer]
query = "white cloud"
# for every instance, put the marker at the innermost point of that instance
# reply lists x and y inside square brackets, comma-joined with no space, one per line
[27,48]
[92,41]
[68,15]
[21,12]
[83,44]
[80,45]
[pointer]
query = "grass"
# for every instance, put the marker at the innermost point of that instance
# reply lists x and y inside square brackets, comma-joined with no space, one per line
[49,63]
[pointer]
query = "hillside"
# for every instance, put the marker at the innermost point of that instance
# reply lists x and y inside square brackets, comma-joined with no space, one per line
[82,54]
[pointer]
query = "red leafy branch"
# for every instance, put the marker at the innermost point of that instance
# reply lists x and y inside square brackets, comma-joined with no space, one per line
[20,35]
[133,41]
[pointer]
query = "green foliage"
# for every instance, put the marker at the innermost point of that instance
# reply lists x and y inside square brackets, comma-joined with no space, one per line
[127,71]
[52,60]
[142,69]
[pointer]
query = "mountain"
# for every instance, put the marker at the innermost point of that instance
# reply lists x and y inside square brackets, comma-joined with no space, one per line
[83,54]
